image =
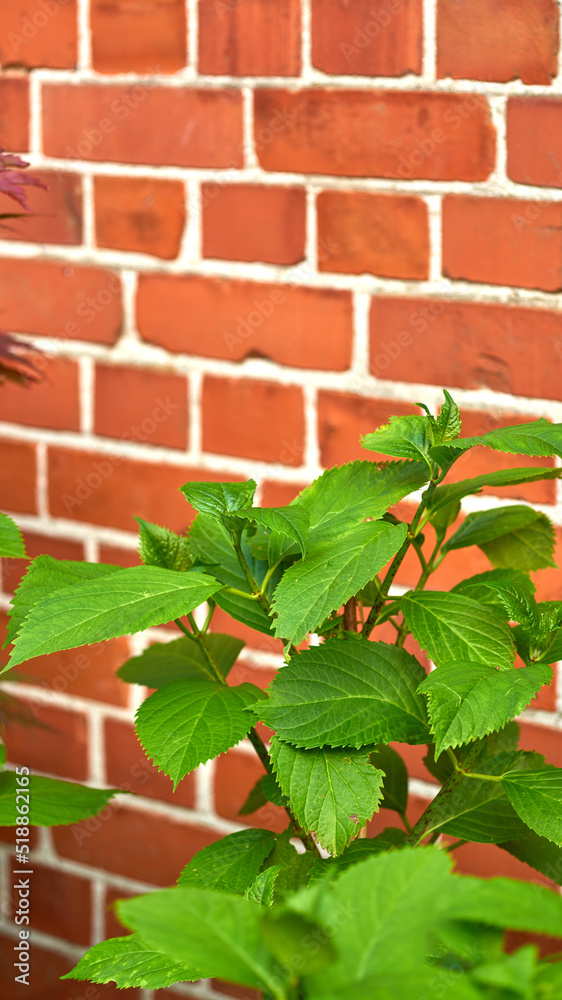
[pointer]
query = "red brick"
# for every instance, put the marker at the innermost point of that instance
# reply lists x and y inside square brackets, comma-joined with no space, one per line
[381,234]
[14,113]
[503,241]
[36,545]
[61,904]
[497,40]
[547,696]
[89,671]
[448,343]
[140,214]
[223,318]
[56,213]
[113,926]
[35,34]
[127,488]
[128,767]
[58,745]
[182,127]
[134,843]
[54,402]
[549,581]
[45,984]
[253,419]
[56,300]
[240,992]
[542,739]
[367,37]
[275,494]
[252,222]
[344,418]
[375,134]
[386,817]
[254,38]
[534,141]
[17,476]
[259,641]
[235,776]
[132,38]
[138,404]
[489,861]
[118,557]
[481,460]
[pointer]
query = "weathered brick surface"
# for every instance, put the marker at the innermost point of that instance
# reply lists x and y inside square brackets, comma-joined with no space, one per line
[367,37]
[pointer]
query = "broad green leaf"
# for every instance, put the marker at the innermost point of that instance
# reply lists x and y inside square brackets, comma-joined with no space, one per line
[218,933]
[553,651]
[517,537]
[536,797]
[161,547]
[210,542]
[292,521]
[262,889]
[186,723]
[2,756]
[129,962]
[45,576]
[348,694]
[469,700]
[218,499]
[11,542]
[443,518]
[290,935]
[395,785]
[180,660]
[333,793]
[344,496]
[390,839]
[505,903]
[449,419]
[51,802]
[452,628]
[129,600]
[231,864]
[485,587]
[382,911]
[293,869]
[330,574]
[403,437]
[513,973]
[453,493]
[536,851]
[548,981]
[539,437]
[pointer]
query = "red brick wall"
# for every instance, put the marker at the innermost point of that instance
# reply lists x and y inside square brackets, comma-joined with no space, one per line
[269,224]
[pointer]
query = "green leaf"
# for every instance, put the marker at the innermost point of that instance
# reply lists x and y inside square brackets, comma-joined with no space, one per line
[11,542]
[161,547]
[186,723]
[395,786]
[516,537]
[359,850]
[347,694]
[262,889]
[43,578]
[127,601]
[536,797]
[211,543]
[539,437]
[265,790]
[536,851]
[129,962]
[486,587]
[505,903]
[218,933]
[291,521]
[449,419]
[333,793]
[330,574]
[403,437]
[218,499]
[51,802]
[469,700]
[514,972]
[453,628]
[453,493]
[180,660]
[442,519]
[293,869]
[231,864]
[297,942]
[343,497]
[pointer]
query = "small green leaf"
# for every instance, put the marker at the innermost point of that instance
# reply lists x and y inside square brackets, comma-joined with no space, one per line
[348,694]
[452,628]
[265,790]
[485,587]
[539,437]
[51,802]
[11,542]
[453,493]
[403,437]
[514,973]
[330,574]
[126,601]
[536,797]
[262,889]
[161,547]
[289,936]
[218,499]
[395,786]
[44,577]
[469,700]
[129,962]
[516,537]
[231,864]
[186,723]
[333,793]
[180,660]
[291,521]
[505,903]
[294,870]
[449,419]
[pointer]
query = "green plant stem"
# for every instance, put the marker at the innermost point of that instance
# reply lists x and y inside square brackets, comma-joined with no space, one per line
[407,825]
[207,622]
[471,774]
[242,593]
[200,638]
[453,847]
